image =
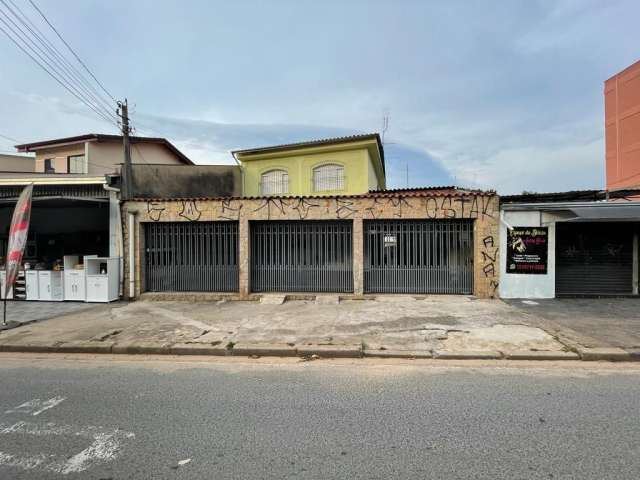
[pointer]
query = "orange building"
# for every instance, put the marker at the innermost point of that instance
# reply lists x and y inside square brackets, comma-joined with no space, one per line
[622,128]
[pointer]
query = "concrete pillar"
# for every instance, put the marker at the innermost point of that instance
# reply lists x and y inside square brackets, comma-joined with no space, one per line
[243,257]
[358,256]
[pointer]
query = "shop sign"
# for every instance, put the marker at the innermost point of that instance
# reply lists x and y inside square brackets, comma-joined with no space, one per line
[527,249]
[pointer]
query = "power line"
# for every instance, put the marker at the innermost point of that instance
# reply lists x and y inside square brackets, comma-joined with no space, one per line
[70,89]
[57,56]
[71,50]
[51,62]
[10,139]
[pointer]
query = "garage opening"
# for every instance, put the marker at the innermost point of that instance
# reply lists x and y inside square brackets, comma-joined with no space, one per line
[191,257]
[418,256]
[594,259]
[302,256]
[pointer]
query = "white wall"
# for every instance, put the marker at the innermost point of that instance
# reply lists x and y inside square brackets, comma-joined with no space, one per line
[528,285]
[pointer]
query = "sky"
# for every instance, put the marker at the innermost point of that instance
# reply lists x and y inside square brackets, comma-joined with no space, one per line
[504,95]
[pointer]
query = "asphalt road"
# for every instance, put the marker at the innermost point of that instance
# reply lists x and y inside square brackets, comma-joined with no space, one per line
[116,419]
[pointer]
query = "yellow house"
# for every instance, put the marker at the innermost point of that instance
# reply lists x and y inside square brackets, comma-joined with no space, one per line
[336,166]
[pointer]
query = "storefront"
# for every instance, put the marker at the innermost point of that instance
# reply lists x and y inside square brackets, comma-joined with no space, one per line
[569,248]
[72,219]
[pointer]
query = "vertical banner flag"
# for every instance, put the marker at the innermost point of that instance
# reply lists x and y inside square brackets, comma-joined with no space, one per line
[17,238]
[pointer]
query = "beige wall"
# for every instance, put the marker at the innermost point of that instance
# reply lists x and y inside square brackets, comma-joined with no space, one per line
[105,157]
[59,156]
[482,209]
[16,163]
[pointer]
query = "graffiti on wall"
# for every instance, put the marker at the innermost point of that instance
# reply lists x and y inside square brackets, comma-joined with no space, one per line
[300,208]
[189,210]
[155,210]
[230,210]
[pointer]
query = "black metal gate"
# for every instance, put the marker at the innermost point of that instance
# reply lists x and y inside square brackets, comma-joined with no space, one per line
[418,256]
[594,258]
[191,257]
[302,256]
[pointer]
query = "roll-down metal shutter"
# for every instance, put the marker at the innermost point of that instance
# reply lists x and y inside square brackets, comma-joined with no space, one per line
[191,257]
[301,256]
[418,256]
[594,258]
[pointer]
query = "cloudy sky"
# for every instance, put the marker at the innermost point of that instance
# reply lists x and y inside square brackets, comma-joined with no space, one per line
[490,94]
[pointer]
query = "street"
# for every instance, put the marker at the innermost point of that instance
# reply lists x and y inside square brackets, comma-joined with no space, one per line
[122,417]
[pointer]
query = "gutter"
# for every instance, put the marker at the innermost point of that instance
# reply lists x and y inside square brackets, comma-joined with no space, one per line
[233,154]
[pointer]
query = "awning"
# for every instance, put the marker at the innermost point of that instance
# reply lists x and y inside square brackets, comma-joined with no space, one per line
[584,211]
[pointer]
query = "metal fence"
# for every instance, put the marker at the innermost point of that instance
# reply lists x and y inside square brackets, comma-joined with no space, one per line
[191,257]
[302,256]
[418,256]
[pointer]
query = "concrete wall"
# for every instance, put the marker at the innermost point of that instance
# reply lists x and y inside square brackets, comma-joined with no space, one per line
[528,285]
[482,209]
[172,181]
[17,163]
[622,128]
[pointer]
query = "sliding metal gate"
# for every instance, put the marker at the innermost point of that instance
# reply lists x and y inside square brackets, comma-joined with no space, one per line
[302,256]
[418,256]
[594,258]
[191,256]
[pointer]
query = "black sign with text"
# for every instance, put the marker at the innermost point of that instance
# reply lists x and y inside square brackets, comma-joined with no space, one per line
[527,249]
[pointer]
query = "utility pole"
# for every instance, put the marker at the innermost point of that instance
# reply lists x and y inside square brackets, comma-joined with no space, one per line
[127,171]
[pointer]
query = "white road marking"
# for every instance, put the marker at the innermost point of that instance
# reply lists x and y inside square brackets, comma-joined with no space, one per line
[36,406]
[184,462]
[105,447]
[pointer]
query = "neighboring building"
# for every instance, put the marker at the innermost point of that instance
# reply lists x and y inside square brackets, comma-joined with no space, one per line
[583,243]
[76,204]
[622,128]
[335,166]
[98,154]
[413,241]
[16,163]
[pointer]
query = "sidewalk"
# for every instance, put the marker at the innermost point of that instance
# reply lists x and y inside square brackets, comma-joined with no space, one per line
[445,327]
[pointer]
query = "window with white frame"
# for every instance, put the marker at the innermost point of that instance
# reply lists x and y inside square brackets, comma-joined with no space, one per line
[76,164]
[274,182]
[328,177]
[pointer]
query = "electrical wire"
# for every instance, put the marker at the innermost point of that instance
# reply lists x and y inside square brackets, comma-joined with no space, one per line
[51,62]
[57,56]
[71,50]
[52,75]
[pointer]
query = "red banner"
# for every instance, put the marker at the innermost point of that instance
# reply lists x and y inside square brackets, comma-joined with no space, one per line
[17,237]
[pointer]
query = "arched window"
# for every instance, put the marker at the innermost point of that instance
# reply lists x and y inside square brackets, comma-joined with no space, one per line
[328,177]
[274,182]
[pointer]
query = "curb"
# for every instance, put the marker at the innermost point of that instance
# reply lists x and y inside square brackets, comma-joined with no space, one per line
[541,355]
[468,355]
[609,354]
[398,353]
[322,351]
[263,350]
[331,351]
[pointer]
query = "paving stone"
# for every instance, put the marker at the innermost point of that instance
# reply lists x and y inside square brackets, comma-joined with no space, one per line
[264,350]
[610,354]
[331,351]
[398,353]
[467,355]
[542,355]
